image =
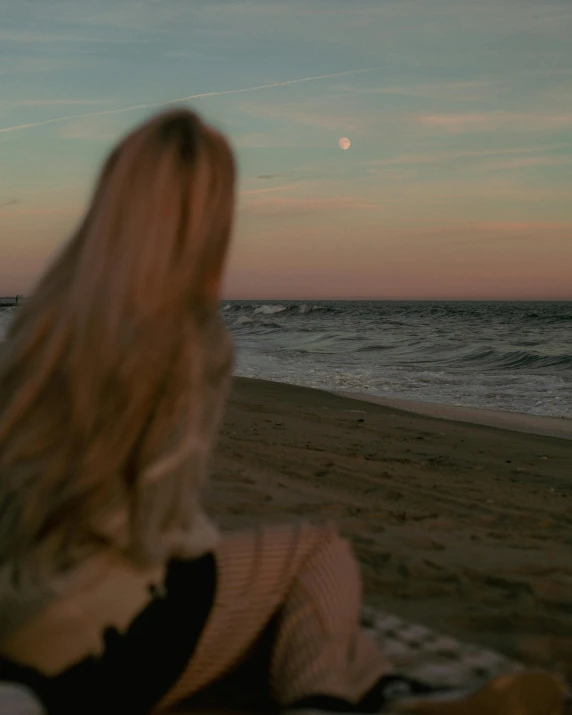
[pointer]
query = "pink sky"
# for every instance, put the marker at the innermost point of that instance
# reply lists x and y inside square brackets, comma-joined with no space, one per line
[456,184]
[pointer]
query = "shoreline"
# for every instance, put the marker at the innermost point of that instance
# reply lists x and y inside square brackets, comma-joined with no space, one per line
[544,425]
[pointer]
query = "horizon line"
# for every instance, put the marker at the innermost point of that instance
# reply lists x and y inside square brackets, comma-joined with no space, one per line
[23,296]
[412,300]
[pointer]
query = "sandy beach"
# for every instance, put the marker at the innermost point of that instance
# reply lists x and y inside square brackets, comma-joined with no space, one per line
[463,527]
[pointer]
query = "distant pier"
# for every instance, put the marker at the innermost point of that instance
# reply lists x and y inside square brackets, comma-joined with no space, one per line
[11,301]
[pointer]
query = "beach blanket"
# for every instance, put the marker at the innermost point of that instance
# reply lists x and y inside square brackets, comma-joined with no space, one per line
[424,654]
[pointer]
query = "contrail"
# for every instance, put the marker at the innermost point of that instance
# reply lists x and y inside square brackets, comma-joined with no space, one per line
[134,107]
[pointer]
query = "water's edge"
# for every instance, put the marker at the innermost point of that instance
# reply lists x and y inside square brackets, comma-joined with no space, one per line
[560,427]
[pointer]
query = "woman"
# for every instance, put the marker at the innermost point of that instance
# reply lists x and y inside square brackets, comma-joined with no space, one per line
[116,591]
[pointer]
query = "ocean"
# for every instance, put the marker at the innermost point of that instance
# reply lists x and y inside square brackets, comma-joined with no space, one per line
[512,356]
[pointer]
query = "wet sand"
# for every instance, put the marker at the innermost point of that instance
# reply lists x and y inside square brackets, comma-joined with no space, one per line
[463,527]
[516,421]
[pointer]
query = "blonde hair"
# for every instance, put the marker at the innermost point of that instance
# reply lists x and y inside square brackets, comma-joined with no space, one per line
[112,375]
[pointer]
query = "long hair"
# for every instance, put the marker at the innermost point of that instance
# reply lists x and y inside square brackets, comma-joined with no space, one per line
[113,372]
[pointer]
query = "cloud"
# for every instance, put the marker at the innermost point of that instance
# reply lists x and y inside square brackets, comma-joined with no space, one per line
[512,227]
[98,129]
[268,177]
[462,232]
[476,233]
[277,206]
[266,191]
[10,202]
[35,38]
[135,107]
[443,157]
[527,161]
[495,158]
[254,140]
[393,174]
[305,112]
[21,103]
[468,91]
[148,14]
[42,64]
[464,123]
[372,17]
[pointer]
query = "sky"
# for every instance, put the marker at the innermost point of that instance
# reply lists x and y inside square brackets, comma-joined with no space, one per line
[457,183]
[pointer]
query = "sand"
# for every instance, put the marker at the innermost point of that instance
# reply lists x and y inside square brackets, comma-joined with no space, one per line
[463,527]
[515,421]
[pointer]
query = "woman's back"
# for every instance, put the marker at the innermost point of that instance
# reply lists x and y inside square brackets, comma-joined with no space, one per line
[113,374]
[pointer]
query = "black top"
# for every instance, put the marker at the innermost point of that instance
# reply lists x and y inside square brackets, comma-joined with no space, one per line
[137,668]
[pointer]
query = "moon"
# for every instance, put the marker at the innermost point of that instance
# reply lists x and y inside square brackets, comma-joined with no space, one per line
[344,143]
